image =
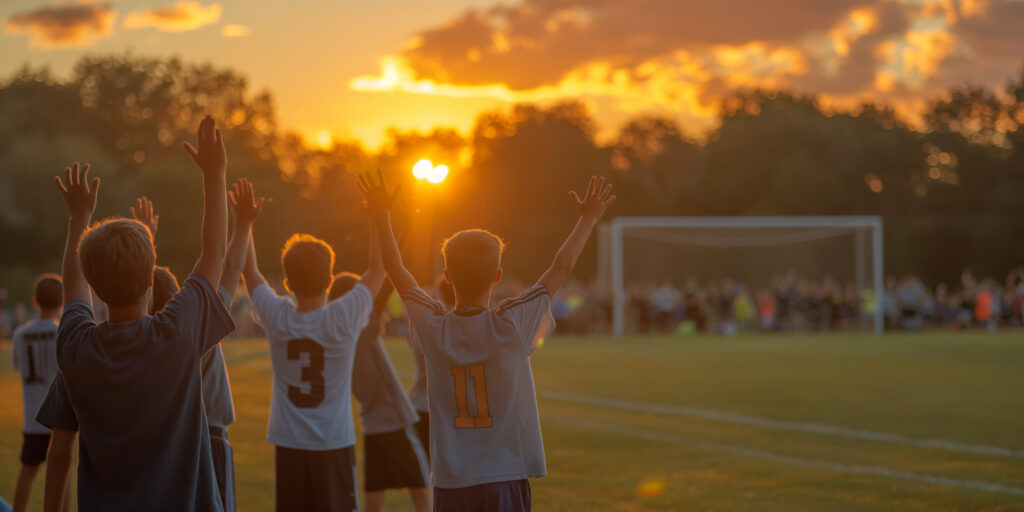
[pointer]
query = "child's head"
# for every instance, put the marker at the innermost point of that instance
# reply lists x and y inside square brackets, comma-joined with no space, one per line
[48,292]
[308,263]
[165,285]
[472,261]
[117,258]
[343,282]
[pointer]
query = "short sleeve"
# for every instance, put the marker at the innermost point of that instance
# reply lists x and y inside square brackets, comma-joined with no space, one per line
[197,314]
[350,313]
[225,296]
[75,323]
[268,306]
[423,311]
[530,313]
[56,410]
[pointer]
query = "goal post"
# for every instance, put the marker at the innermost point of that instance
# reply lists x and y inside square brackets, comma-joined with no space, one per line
[780,231]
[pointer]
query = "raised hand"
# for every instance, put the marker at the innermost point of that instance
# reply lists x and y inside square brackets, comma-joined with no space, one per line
[375,190]
[143,212]
[211,156]
[243,200]
[597,199]
[79,195]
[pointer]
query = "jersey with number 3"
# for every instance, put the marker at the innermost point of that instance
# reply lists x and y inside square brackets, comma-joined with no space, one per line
[35,355]
[484,425]
[311,354]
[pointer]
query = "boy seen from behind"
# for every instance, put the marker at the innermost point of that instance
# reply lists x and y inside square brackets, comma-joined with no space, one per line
[134,381]
[312,347]
[35,356]
[394,457]
[485,429]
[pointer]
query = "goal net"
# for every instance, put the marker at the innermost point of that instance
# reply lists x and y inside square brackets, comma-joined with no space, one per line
[733,273]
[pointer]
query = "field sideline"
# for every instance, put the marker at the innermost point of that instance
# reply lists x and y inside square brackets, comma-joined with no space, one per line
[930,421]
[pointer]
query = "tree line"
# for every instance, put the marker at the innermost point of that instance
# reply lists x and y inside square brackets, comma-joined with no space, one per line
[950,186]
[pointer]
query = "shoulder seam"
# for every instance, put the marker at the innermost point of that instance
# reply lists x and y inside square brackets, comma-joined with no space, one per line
[530,295]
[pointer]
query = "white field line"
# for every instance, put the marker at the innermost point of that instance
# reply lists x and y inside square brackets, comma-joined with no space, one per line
[756,421]
[786,459]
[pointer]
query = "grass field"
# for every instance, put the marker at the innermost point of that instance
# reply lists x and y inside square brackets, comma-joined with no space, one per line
[840,422]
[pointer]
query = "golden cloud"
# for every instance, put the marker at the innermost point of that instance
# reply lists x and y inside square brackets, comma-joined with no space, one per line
[233,30]
[63,26]
[680,58]
[180,17]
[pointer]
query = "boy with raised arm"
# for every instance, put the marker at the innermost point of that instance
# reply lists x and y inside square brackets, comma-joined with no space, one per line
[485,430]
[35,357]
[217,403]
[394,456]
[312,347]
[134,381]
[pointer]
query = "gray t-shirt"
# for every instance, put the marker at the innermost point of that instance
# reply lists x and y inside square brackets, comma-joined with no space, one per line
[418,391]
[484,425]
[136,393]
[383,405]
[220,410]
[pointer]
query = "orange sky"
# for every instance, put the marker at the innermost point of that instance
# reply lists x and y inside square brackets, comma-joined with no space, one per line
[354,69]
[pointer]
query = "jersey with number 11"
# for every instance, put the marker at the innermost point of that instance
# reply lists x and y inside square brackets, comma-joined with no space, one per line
[312,353]
[484,425]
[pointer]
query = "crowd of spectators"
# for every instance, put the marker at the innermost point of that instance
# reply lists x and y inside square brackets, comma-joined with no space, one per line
[788,303]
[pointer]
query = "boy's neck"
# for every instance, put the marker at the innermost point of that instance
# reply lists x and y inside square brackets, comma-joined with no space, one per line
[129,313]
[482,301]
[310,302]
[49,314]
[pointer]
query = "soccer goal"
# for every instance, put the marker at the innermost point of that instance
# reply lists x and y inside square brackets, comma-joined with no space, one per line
[635,254]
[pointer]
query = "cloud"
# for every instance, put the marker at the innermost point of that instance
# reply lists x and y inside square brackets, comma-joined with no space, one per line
[233,30]
[63,26]
[180,17]
[681,58]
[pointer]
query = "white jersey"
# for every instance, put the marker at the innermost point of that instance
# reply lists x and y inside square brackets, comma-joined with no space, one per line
[35,356]
[311,354]
[484,425]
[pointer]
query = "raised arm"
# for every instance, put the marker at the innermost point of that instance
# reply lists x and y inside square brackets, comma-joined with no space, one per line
[374,276]
[247,209]
[212,160]
[143,212]
[379,201]
[80,198]
[591,208]
[251,274]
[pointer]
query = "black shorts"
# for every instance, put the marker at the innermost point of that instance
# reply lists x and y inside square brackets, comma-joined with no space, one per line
[315,480]
[423,429]
[394,460]
[511,496]
[33,449]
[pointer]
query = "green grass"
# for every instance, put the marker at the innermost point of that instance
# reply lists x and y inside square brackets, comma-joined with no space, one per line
[966,388]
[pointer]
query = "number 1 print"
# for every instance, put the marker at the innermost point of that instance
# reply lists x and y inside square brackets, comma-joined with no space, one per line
[483,418]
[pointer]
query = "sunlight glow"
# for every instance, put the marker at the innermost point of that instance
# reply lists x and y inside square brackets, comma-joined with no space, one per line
[438,174]
[422,169]
[425,170]
[324,139]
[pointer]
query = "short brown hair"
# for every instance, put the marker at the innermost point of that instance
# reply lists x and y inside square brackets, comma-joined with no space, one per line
[48,291]
[118,257]
[343,283]
[308,264]
[165,285]
[472,258]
